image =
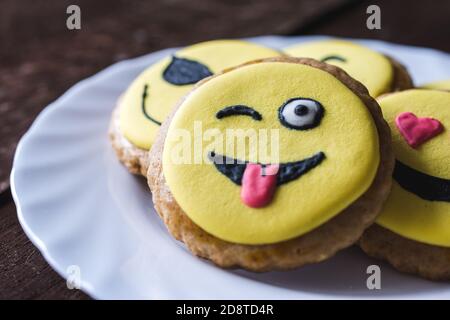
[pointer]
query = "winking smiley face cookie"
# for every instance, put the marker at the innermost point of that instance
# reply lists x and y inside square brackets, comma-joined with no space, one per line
[240,208]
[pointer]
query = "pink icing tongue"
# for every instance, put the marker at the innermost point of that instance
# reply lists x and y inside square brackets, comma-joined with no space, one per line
[258,184]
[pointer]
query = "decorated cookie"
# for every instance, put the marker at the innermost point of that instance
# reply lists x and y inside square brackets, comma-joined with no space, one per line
[438,85]
[413,230]
[380,74]
[271,165]
[151,97]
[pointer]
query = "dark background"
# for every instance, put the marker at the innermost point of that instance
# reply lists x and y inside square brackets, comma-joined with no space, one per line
[40,59]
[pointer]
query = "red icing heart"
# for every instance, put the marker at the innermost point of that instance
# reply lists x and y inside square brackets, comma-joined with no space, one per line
[417,130]
[258,185]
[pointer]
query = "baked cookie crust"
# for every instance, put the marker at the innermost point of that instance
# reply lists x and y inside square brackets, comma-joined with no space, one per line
[402,79]
[133,158]
[406,255]
[319,244]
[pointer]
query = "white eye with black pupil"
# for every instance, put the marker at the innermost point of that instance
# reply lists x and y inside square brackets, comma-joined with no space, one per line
[301,113]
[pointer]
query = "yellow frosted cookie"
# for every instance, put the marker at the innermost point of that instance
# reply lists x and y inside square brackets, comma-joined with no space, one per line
[377,72]
[273,164]
[416,216]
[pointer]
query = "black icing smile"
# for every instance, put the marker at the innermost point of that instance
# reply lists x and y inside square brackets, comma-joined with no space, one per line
[144,107]
[234,169]
[422,185]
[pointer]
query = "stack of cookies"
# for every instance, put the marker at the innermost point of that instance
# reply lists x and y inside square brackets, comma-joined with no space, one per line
[269,160]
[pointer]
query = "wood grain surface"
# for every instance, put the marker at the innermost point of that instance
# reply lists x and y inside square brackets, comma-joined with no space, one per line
[40,59]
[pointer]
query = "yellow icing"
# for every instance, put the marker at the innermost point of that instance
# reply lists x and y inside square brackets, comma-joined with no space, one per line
[404,212]
[371,68]
[346,134]
[439,85]
[162,96]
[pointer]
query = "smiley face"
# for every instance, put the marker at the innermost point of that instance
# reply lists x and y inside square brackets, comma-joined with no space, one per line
[151,97]
[371,68]
[325,139]
[418,207]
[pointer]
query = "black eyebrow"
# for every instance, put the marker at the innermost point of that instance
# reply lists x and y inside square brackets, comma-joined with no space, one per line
[339,58]
[239,110]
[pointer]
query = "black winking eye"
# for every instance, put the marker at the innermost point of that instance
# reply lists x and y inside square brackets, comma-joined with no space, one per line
[182,71]
[238,110]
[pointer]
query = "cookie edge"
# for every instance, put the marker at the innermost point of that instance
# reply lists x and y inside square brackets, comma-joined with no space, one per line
[135,159]
[407,255]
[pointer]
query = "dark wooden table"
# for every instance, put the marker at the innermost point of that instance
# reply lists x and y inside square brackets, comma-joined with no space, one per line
[40,59]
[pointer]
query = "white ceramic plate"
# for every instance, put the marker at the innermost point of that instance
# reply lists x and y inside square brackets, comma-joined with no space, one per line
[81,208]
